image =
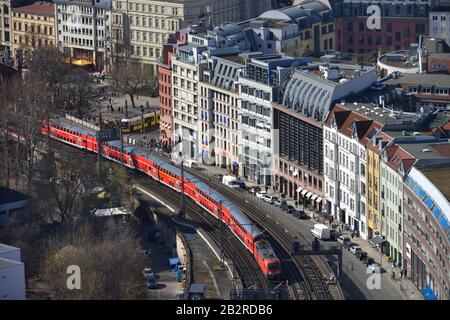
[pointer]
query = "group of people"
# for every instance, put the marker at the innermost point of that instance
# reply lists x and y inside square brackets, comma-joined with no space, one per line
[155,145]
[402,274]
[100,77]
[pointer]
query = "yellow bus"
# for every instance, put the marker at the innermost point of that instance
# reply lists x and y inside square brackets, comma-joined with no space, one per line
[135,123]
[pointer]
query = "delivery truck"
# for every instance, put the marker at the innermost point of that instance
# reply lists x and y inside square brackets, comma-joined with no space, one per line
[321,231]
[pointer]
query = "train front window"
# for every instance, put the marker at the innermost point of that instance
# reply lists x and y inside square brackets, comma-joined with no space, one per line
[273,266]
[124,124]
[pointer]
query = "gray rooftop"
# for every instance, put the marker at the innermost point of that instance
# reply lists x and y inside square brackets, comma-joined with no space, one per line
[6,263]
[9,196]
[294,13]
[380,115]
[437,80]
[425,150]
[5,248]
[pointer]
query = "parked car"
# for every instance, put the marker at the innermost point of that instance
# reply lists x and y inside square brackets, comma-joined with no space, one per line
[254,190]
[361,255]
[147,272]
[369,261]
[375,267]
[300,214]
[151,282]
[279,203]
[269,199]
[260,194]
[348,244]
[342,239]
[290,209]
[333,234]
[355,249]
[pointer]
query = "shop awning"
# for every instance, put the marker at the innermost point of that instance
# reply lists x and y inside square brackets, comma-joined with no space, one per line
[318,199]
[299,189]
[314,196]
[309,194]
[304,192]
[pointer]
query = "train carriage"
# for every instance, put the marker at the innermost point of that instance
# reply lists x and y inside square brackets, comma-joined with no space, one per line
[267,259]
[83,138]
[113,151]
[244,229]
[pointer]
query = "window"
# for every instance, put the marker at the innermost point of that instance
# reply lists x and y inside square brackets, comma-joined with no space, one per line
[389,41]
[350,26]
[361,26]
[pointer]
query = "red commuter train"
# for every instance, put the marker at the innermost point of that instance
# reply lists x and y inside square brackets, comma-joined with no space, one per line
[213,202]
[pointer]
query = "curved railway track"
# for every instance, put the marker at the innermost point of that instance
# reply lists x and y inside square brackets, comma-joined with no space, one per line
[309,284]
[305,281]
[244,263]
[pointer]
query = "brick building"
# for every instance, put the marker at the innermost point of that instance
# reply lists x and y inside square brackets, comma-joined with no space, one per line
[401,24]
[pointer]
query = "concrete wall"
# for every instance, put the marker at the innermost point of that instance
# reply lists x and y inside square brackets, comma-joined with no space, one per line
[11,255]
[12,282]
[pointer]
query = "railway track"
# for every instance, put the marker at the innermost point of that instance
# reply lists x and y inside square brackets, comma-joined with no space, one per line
[305,281]
[243,261]
[309,285]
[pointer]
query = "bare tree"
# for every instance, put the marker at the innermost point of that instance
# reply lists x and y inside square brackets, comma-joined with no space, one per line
[78,91]
[63,190]
[110,261]
[48,64]
[131,79]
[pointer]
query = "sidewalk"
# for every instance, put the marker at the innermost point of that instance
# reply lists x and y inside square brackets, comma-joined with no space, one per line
[407,290]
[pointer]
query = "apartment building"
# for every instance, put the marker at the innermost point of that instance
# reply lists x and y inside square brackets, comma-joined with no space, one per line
[219,107]
[306,97]
[140,30]
[83,31]
[440,22]
[401,24]
[426,217]
[187,65]
[346,137]
[301,30]
[395,164]
[165,89]
[33,26]
[259,88]
[430,91]
[5,29]
[372,190]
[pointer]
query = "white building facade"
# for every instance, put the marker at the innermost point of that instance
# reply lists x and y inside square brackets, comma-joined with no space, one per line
[344,157]
[186,67]
[440,24]
[83,31]
[391,204]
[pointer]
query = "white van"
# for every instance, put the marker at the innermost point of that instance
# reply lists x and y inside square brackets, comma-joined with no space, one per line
[321,231]
[190,163]
[230,181]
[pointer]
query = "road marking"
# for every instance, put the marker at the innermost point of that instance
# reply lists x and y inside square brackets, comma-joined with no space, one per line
[154,197]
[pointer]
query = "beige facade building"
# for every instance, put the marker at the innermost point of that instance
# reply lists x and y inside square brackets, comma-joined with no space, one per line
[33,26]
[139,31]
